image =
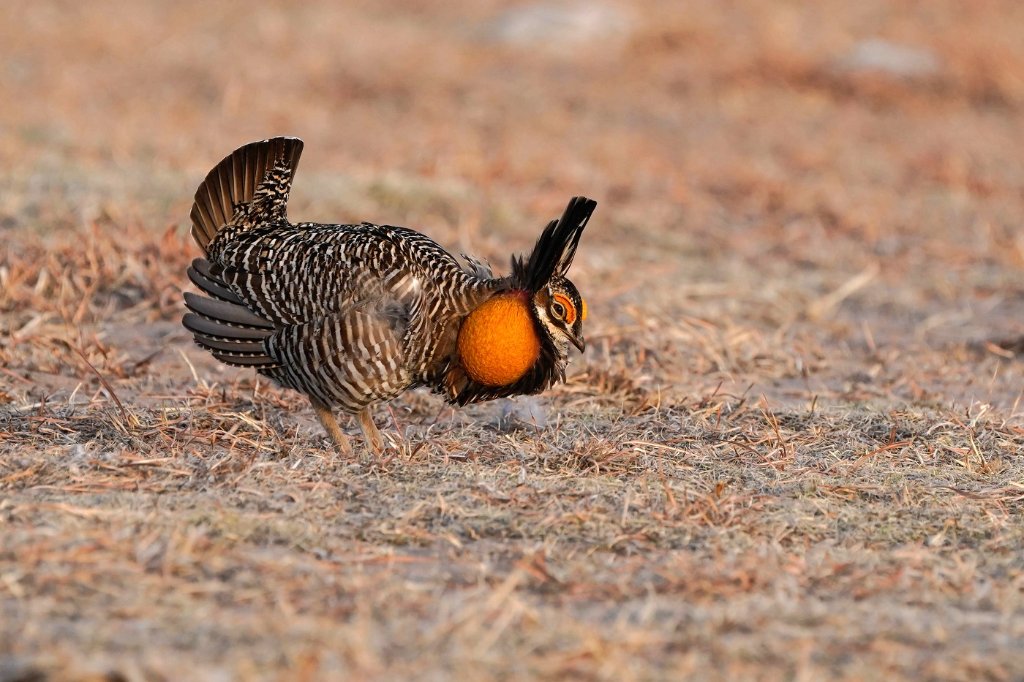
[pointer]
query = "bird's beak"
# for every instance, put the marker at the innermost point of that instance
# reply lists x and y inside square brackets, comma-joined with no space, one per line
[579,342]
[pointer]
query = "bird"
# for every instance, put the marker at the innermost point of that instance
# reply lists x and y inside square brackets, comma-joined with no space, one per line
[353,315]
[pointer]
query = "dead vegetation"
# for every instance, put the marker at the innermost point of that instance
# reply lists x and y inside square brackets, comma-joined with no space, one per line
[794,449]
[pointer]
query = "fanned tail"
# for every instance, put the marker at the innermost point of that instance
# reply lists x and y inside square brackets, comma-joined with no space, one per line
[255,179]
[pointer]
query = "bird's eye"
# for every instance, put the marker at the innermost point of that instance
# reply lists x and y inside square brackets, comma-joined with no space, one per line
[562,309]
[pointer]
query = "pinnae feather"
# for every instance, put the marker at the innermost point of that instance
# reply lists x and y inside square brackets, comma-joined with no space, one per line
[556,247]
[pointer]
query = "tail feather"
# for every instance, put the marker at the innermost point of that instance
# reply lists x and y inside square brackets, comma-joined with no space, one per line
[243,360]
[247,188]
[214,343]
[236,180]
[229,342]
[225,312]
[201,275]
[197,324]
[230,331]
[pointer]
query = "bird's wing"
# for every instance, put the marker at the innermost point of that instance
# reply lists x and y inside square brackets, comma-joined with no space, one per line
[352,358]
[292,274]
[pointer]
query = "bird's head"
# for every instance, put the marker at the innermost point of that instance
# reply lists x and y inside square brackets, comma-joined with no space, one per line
[561,310]
[557,303]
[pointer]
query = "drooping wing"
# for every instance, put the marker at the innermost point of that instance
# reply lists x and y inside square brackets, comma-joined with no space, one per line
[352,359]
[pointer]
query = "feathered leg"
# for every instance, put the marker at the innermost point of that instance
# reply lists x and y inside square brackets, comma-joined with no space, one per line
[370,432]
[330,424]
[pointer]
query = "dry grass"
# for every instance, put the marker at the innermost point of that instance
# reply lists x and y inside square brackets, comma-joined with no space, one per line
[794,450]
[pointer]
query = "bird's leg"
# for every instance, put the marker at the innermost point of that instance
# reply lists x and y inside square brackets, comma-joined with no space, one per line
[330,424]
[370,432]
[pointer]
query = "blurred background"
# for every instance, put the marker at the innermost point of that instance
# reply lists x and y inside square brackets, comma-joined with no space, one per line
[778,183]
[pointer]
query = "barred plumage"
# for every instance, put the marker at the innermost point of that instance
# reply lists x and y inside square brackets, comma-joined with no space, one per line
[353,315]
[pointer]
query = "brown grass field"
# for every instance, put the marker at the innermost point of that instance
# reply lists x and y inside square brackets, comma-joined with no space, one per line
[793,451]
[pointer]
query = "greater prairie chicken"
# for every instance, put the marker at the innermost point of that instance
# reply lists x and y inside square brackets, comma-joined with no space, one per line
[353,315]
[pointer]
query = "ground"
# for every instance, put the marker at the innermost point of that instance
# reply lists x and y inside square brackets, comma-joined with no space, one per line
[793,450]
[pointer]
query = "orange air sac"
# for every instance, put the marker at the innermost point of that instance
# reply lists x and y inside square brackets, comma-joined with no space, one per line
[498,341]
